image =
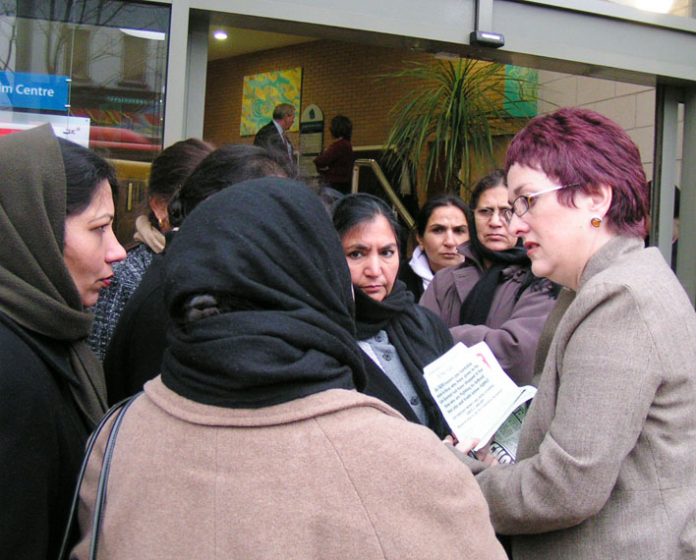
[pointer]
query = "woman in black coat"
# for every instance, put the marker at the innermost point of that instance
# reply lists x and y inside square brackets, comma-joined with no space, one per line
[56,213]
[398,338]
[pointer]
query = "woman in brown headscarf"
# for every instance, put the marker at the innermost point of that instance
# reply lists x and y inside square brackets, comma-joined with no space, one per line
[56,211]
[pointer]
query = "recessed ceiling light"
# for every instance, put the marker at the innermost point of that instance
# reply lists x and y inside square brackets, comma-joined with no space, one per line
[220,35]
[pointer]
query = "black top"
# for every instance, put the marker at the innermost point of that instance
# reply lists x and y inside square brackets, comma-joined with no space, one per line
[134,354]
[41,442]
[413,282]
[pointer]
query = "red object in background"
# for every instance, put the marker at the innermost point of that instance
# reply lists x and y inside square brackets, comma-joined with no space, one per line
[106,137]
[120,142]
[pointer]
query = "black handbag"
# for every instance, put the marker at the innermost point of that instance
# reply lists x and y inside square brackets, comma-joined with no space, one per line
[119,410]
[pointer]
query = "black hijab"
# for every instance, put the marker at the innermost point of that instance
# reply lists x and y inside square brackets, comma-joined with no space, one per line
[281,326]
[418,336]
[477,305]
[36,289]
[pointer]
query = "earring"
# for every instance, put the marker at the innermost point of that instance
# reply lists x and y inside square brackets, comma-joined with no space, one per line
[596,222]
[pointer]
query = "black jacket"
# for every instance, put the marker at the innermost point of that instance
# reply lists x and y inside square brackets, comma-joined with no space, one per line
[42,437]
[268,137]
[413,282]
[134,354]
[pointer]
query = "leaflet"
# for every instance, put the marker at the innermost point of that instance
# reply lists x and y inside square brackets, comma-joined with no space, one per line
[476,396]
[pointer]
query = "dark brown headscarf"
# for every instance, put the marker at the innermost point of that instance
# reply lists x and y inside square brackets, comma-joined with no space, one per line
[36,289]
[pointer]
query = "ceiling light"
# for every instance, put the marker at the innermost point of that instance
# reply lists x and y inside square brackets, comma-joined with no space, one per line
[220,35]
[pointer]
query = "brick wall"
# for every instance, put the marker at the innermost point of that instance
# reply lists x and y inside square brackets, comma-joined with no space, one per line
[338,77]
[342,78]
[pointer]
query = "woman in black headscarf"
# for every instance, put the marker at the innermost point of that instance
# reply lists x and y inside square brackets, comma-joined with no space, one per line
[57,248]
[492,296]
[253,442]
[398,337]
[277,312]
[134,355]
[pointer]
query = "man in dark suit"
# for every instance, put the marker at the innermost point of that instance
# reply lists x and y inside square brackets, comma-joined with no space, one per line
[272,135]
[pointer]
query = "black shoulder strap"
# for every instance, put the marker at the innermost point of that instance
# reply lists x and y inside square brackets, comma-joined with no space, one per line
[119,410]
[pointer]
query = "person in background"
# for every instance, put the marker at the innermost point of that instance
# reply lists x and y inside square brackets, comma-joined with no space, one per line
[135,353]
[398,337]
[606,455]
[273,136]
[492,296]
[56,254]
[329,197]
[675,227]
[335,163]
[267,449]
[441,228]
[167,173]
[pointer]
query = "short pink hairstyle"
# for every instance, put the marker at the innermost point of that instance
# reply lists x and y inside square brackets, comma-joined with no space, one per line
[579,146]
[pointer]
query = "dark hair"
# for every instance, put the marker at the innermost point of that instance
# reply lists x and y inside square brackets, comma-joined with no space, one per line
[437,202]
[223,167]
[575,146]
[171,167]
[283,110]
[494,179]
[329,197]
[355,209]
[84,170]
[341,127]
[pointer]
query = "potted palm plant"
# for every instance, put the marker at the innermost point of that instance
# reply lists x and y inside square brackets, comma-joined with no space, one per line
[448,125]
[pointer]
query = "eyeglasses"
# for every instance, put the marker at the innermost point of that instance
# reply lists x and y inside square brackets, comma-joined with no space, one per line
[488,213]
[522,204]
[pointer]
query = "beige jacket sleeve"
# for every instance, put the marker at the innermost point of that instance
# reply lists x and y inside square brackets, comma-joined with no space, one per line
[594,396]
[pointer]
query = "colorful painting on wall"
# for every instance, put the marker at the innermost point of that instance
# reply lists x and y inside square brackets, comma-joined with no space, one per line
[521,91]
[262,92]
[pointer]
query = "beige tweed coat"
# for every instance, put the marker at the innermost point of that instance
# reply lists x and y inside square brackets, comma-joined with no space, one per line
[336,475]
[608,448]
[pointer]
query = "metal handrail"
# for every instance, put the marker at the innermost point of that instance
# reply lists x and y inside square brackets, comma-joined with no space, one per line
[384,182]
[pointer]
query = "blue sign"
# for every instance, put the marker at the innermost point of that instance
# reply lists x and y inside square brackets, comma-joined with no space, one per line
[33,91]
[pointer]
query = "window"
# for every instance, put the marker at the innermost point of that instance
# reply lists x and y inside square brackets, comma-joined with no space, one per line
[99,63]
